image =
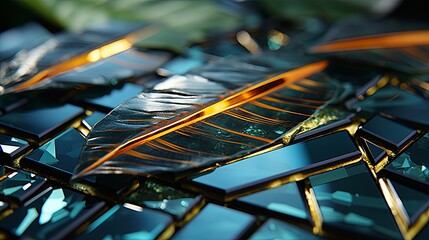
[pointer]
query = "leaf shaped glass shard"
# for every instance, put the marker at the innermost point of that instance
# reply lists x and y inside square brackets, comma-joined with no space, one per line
[402,46]
[192,121]
[94,48]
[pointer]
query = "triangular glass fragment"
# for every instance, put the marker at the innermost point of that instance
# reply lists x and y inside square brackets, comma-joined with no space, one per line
[348,206]
[414,163]
[375,153]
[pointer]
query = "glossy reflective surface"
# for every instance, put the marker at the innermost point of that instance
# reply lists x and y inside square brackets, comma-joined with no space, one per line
[53,215]
[354,207]
[413,162]
[213,217]
[125,223]
[40,121]
[381,130]
[20,185]
[285,199]
[10,147]
[281,162]
[275,229]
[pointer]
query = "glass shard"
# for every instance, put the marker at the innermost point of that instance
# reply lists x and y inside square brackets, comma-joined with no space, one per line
[215,222]
[40,121]
[286,199]
[414,201]
[54,215]
[413,162]
[379,130]
[374,153]
[20,185]
[161,197]
[10,147]
[358,208]
[140,224]
[299,159]
[398,104]
[275,229]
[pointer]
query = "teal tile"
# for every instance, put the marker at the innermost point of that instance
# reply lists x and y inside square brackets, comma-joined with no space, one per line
[274,229]
[350,200]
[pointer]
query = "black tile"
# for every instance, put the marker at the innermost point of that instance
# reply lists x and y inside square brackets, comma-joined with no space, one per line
[128,222]
[398,104]
[216,222]
[387,132]
[20,185]
[350,200]
[52,215]
[39,122]
[10,147]
[3,206]
[110,100]
[275,229]
[301,158]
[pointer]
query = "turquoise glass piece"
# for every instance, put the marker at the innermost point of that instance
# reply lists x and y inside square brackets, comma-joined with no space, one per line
[286,161]
[161,197]
[20,185]
[216,222]
[94,118]
[414,162]
[112,99]
[358,208]
[53,215]
[126,223]
[414,201]
[39,122]
[11,147]
[59,154]
[398,103]
[275,229]
[285,199]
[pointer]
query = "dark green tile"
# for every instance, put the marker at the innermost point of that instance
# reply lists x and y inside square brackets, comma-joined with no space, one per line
[161,197]
[10,147]
[414,162]
[275,229]
[350,200]
[387,132]
[128,223]
[415,202]
[20,185]
[53,215]
[286,199]
[216,222]
[303,156]
[38,122]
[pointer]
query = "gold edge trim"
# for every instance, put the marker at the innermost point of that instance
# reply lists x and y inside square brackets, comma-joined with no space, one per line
[419,224]
[396,206]
[314,208]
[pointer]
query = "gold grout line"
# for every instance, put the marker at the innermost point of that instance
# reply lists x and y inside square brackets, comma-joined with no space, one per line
[314,208]
[396,206]
[419,224]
